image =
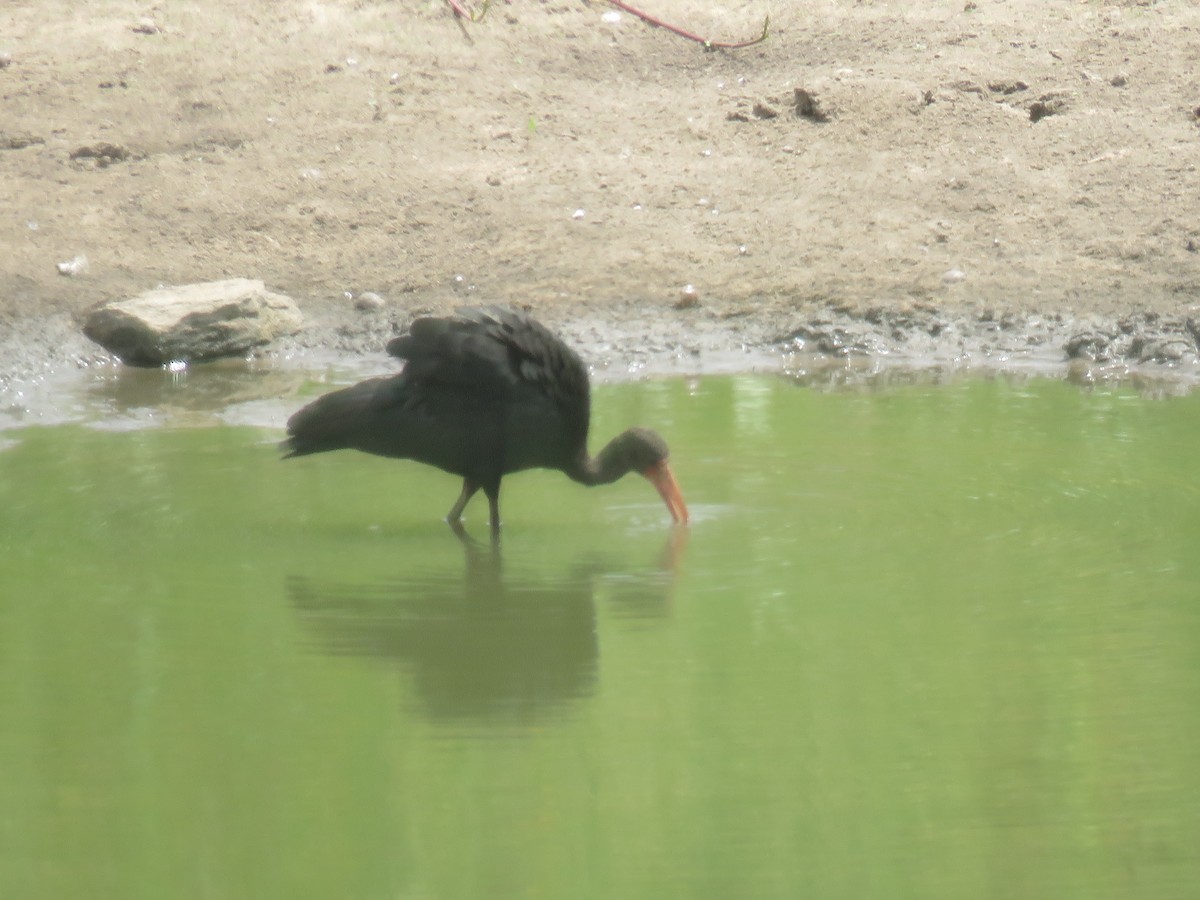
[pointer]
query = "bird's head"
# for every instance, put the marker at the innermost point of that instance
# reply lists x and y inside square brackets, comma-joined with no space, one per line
[646,453]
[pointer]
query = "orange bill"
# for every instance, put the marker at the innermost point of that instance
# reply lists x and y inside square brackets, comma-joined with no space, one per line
[661,477]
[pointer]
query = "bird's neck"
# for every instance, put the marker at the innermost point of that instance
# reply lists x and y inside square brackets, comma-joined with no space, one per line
[605,467]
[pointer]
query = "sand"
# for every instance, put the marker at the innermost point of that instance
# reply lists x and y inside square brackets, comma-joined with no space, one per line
[987,182]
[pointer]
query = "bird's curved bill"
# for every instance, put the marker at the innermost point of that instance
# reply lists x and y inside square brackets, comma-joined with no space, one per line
[661,477]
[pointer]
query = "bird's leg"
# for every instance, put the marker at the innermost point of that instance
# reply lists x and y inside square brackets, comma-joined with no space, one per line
[469,543]
[468,491]
[493,495]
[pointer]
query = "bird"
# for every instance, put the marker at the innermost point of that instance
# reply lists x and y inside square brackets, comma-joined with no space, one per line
[483,393]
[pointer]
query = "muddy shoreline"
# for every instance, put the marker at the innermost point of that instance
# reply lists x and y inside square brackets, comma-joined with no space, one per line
[50,373]
[992,186]
[689,339]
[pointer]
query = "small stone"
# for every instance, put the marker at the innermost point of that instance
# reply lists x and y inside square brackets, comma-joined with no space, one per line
[101,154]
[1007,86]
[369,301]
[807,106]
[146,25]
[72,267]
[689,297]
[1159,351]
[19,140]
[578,214]
[1089,345]
[953,276]
[1052,104]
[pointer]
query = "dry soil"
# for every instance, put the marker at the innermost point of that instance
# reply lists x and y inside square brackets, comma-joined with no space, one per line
[991,180]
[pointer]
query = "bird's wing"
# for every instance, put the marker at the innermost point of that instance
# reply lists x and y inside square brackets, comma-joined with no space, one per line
[495,353]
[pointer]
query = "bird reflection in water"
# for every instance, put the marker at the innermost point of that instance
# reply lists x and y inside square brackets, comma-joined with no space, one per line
[483,646]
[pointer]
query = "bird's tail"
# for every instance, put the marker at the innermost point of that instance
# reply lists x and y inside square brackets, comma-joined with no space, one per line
[335,421]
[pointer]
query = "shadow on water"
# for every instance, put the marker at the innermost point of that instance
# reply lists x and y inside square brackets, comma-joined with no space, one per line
[481,644]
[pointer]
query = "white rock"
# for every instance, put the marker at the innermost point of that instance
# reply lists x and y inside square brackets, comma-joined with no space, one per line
[75,266]
[192,322]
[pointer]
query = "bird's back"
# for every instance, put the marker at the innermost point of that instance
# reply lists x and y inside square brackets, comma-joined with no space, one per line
[508,369]
[482,393]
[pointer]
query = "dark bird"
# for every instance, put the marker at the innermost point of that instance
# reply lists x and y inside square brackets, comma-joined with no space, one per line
[482,394]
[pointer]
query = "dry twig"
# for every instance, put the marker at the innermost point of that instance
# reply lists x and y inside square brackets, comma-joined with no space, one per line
[462,12]
[675,29]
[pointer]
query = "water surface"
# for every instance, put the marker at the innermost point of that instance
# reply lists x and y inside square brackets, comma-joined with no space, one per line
[929,641]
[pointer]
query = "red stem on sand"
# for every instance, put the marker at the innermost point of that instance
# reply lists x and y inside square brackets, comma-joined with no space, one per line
[675,29]
[461,12]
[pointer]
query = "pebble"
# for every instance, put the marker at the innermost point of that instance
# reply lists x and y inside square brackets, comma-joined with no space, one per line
[71,267]
[689,297]
[369,301]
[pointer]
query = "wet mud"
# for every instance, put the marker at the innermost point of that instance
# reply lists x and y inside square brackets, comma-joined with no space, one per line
[50,373]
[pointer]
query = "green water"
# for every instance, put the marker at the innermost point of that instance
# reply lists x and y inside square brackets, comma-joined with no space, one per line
[930,642]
